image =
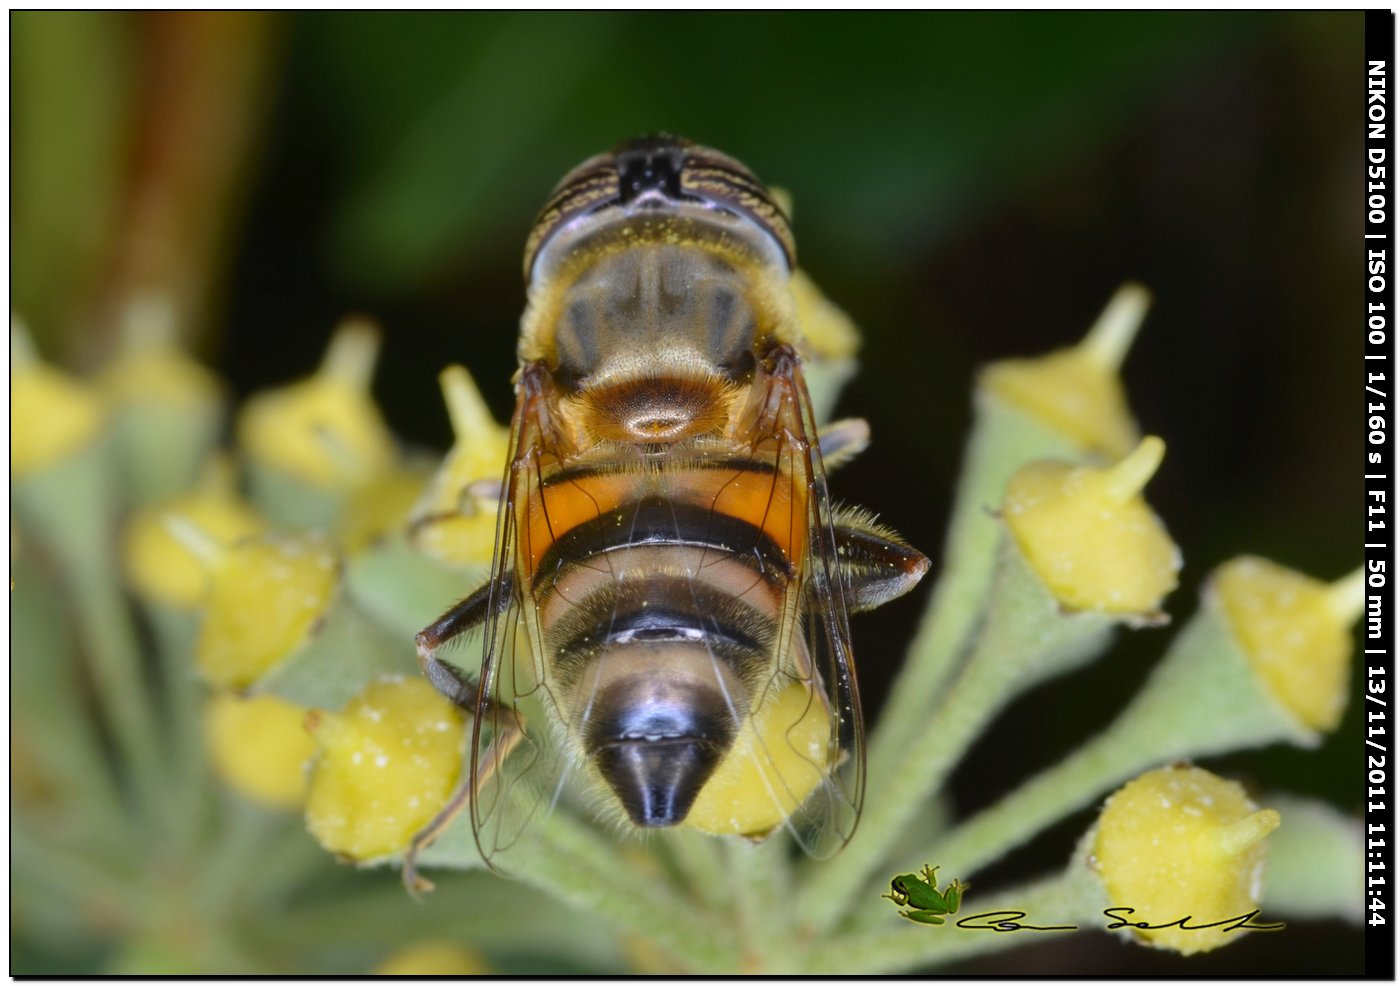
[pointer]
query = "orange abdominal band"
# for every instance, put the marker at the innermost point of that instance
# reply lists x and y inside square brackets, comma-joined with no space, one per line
[771,502]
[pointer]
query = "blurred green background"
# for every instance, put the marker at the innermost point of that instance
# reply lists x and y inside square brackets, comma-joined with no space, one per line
[967,185]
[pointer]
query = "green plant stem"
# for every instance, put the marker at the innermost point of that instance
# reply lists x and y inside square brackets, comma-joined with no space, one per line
[1317,862]
[700,861]
[1202,699]
[289,858]
[202,891]
[188,779]
[757,876]
[478,908]
[233,861]
[70,506]
[1073,783]
[970,706]
[54,739]
[1024,639]
[571,863]
[105,627]
[574,863]
[1002,440]
[73,872]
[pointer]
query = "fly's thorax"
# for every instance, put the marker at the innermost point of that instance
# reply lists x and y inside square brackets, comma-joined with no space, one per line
[656,303]
[631,306]
[656,274]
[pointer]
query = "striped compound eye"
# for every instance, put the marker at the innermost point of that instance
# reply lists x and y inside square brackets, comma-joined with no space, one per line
[660,171]
[726,185]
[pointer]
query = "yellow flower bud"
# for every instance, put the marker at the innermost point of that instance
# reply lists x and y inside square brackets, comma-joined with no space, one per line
[259,747]
[165,376]
[1090,536]
[827,331]
[265,597]
[167,409]
[479,449]
[453,522]
[380,507]
[1295,633]
[1180,842]
[1077,391]
[829,341]
[775,762]
[326,429]
[54,414]
[164,569]
[152,369]
[460,540]
[434,958]
[387,764]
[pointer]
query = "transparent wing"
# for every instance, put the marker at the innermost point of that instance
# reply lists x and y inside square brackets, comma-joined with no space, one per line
[808,728]
[828,819]
[518,766]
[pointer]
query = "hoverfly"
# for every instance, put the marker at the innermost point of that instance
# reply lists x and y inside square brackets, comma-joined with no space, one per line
[666,618]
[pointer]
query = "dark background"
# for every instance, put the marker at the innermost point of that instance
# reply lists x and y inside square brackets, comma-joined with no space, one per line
[967,186]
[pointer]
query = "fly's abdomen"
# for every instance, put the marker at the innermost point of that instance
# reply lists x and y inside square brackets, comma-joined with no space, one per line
[660,593]
[746,506]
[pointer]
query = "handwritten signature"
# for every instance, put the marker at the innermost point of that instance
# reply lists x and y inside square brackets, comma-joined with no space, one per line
[1003,922]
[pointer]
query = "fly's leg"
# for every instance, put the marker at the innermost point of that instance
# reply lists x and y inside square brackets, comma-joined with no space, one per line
[496,753]
[462,618]
[424,837]
[454,683]
[468,499]
[841,441]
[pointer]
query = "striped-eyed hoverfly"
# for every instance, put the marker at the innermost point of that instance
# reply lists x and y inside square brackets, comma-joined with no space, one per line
[666,618]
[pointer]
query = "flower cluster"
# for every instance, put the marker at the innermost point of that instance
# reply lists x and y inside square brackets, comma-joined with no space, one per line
[279,585]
